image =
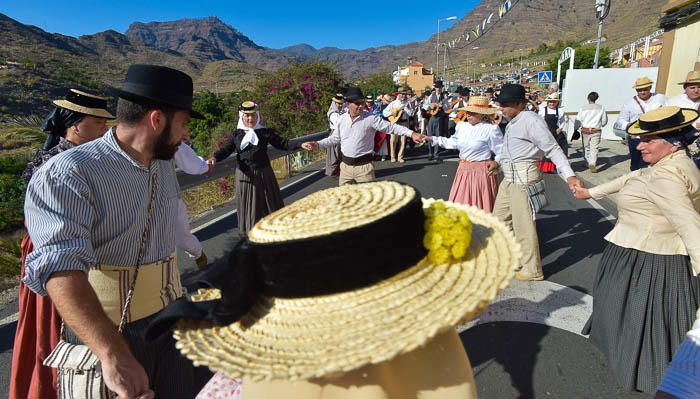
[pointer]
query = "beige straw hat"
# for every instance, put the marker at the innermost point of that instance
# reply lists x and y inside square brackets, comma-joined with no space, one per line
[642,83]
[314,336]
[85,103]
[554,97]
[662,120]
[479,105]
[248,107]
[692,77]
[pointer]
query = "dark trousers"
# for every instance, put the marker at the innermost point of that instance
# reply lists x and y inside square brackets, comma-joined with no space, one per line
[170,374]
[636,161]
[437,126]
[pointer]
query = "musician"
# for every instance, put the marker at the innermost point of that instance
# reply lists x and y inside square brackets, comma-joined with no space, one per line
[460,101]
[399,111]
[435,106]
[643,102]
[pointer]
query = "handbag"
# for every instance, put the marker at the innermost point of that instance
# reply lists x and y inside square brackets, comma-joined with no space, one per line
[536,196]
[576,135]
[79,370]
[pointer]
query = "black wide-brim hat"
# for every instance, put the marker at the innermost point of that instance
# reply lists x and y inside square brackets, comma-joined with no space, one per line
[511,93]
[438,84]
[158,85]
[662,120]
[354,94]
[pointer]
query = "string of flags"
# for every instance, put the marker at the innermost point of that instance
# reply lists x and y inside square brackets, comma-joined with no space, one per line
[480,29]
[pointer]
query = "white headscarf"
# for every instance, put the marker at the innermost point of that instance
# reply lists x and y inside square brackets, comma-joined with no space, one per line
[250,136]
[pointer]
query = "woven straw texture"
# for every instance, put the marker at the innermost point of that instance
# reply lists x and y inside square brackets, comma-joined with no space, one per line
[312,337]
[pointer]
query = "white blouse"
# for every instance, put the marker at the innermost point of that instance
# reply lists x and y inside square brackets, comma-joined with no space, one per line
[474,142]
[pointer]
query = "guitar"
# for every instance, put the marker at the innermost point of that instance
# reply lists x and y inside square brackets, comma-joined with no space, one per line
[396,115]
[460,117]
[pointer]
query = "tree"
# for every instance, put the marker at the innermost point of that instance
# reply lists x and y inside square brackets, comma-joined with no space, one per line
[294,100]
[583,59]
[376,84]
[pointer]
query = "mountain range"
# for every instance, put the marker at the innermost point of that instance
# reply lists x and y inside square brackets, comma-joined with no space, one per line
[220,58]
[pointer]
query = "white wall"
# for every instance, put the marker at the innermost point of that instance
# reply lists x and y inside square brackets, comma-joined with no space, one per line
[613,85]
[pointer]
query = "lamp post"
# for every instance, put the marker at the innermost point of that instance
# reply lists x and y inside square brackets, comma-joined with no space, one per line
[602,9]
[437,45]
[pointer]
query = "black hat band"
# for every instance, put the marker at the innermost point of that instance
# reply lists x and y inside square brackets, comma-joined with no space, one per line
[85,101]
[667,123]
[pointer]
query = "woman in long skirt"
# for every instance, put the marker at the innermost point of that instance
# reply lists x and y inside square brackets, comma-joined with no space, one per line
[476,181]
[76,120]
[257,191]
[647,289]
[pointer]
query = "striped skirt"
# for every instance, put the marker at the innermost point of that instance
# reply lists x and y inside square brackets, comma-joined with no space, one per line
[474,186]
[258,195]
[643,304]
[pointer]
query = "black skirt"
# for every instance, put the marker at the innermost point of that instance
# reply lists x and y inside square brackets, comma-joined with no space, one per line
[643,305]
[258,195]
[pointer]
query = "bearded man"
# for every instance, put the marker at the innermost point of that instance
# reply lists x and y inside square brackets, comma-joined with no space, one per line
[104,213]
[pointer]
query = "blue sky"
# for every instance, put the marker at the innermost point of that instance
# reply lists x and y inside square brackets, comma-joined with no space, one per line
[344,24]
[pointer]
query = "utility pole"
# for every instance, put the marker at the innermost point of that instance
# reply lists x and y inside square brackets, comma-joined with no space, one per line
[602,9]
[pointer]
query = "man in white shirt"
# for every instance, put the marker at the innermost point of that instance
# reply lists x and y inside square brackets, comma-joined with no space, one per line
[355,134]
[592,117]
[644,101]
[526,141]
[400,112]
[691,97]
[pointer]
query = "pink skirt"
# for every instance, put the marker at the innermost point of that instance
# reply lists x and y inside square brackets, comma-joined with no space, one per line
[221,387]
[474,186]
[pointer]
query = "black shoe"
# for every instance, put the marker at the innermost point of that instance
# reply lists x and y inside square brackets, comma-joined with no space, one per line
[430,158]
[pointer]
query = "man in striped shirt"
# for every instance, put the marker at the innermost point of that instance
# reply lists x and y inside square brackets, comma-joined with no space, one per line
[88,209]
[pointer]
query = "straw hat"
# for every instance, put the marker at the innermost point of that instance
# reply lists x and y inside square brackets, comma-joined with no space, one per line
[554,97]
[85,103]
[642,83]
[692,77]
[388,98]
[373,309]
[249,107]
[479,105]
[663,120]
[338,98]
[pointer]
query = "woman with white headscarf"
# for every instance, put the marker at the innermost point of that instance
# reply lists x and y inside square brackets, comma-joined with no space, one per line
[257,191]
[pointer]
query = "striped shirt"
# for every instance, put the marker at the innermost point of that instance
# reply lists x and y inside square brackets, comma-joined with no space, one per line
[89,205]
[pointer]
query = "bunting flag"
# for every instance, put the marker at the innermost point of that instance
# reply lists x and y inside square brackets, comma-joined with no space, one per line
[488,20]
[501,11]
[483,25]
[475,34]
[507,5]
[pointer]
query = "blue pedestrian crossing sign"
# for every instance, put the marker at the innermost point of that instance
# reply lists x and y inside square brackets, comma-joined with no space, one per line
[544,77]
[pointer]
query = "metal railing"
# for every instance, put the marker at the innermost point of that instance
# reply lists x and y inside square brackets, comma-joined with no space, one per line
[228,166]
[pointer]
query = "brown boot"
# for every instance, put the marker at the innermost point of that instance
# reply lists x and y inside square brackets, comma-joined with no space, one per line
[593,168]
[522,276]
[202,261]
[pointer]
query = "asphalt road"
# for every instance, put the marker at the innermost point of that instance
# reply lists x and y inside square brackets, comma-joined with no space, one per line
[527,344]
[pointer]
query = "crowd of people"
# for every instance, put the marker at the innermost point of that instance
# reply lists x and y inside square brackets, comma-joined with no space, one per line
[101,287]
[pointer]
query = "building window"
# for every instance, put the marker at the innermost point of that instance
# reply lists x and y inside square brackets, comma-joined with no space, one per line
[415,72]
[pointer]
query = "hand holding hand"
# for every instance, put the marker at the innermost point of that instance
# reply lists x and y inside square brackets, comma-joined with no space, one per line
[492,167]
[581,193]
[574,183]
[417,138]
[310,145]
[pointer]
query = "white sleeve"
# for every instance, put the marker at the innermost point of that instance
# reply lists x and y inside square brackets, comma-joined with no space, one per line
[496,142]
[187,160]
[184,239]
[332,139]
[333,121]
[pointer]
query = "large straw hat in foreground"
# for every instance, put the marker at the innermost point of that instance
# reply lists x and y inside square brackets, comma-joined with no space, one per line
[339,235]
[663,120]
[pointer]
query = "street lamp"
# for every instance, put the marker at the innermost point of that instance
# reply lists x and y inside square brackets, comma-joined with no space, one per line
[437,45]
[602,9]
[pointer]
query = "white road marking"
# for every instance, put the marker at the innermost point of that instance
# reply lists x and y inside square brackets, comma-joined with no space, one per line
[9,319]
[540,302]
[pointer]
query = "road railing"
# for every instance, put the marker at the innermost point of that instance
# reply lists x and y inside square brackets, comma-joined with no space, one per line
[228,166]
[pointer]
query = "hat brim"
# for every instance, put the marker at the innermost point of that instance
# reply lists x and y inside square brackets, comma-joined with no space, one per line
[692,81]
[96,112]
[335,100]
[311,337]
[689,116]
[137,97]
[643,86]
[479,110]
